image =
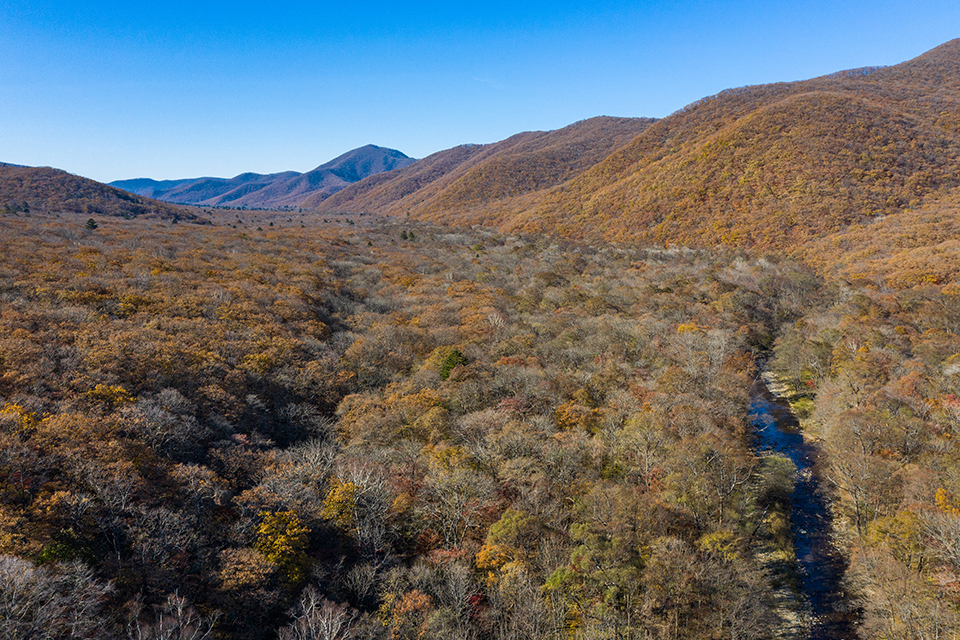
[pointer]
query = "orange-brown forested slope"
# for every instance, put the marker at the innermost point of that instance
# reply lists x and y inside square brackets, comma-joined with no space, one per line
[808,165]
[42,189]
[775,165]
[902,250]
[478,175]
[769,166]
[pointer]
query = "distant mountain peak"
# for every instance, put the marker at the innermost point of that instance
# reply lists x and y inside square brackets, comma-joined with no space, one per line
[369,152]
[285,189]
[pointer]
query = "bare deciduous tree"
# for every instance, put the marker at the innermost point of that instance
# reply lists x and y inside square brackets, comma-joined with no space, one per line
[316,618]
[50,603]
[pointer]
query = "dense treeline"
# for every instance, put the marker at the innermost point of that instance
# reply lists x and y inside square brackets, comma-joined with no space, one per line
[372,430]
[912,248]
[391,432]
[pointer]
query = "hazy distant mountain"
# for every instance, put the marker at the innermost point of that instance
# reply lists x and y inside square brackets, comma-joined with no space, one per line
[148,187]
[769,166]
[289,188]
[42,189]
[204,191]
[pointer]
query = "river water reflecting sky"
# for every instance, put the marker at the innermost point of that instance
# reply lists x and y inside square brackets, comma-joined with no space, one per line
[821,566]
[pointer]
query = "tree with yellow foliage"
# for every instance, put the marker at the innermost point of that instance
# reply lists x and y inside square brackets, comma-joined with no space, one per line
[282,539]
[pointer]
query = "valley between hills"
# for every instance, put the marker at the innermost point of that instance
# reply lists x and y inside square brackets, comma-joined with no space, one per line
[506,391]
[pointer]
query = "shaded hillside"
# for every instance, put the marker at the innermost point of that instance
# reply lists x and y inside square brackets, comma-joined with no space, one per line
[383,189]
[768,166]
[149,187]
[287,189]
[478,175]
[331,177]
[42,189]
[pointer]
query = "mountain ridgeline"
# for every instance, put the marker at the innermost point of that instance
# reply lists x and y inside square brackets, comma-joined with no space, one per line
[768,166]
[474,177]
[286,189]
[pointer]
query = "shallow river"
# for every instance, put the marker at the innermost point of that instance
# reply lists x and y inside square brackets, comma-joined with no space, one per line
[821,566]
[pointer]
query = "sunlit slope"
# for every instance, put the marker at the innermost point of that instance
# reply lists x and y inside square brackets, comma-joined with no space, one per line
[906,249]
[774,165]
[807,165]
[768,167]
[470,176]
[46,190]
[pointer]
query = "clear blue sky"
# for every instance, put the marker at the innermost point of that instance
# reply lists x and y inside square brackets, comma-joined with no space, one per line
[113,90]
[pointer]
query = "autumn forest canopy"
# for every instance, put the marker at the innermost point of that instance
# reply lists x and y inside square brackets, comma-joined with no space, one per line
[501,392]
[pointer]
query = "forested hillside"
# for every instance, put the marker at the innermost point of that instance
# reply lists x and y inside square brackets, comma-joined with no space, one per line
[482,176]
[768,167]
[46,190]
[899,251]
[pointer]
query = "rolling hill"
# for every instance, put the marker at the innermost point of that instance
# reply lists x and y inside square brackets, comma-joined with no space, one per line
[47,190]
[769,166]
[286,189]
[477,176]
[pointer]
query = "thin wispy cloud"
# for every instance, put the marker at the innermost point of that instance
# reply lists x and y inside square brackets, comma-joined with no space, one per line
[489,82]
